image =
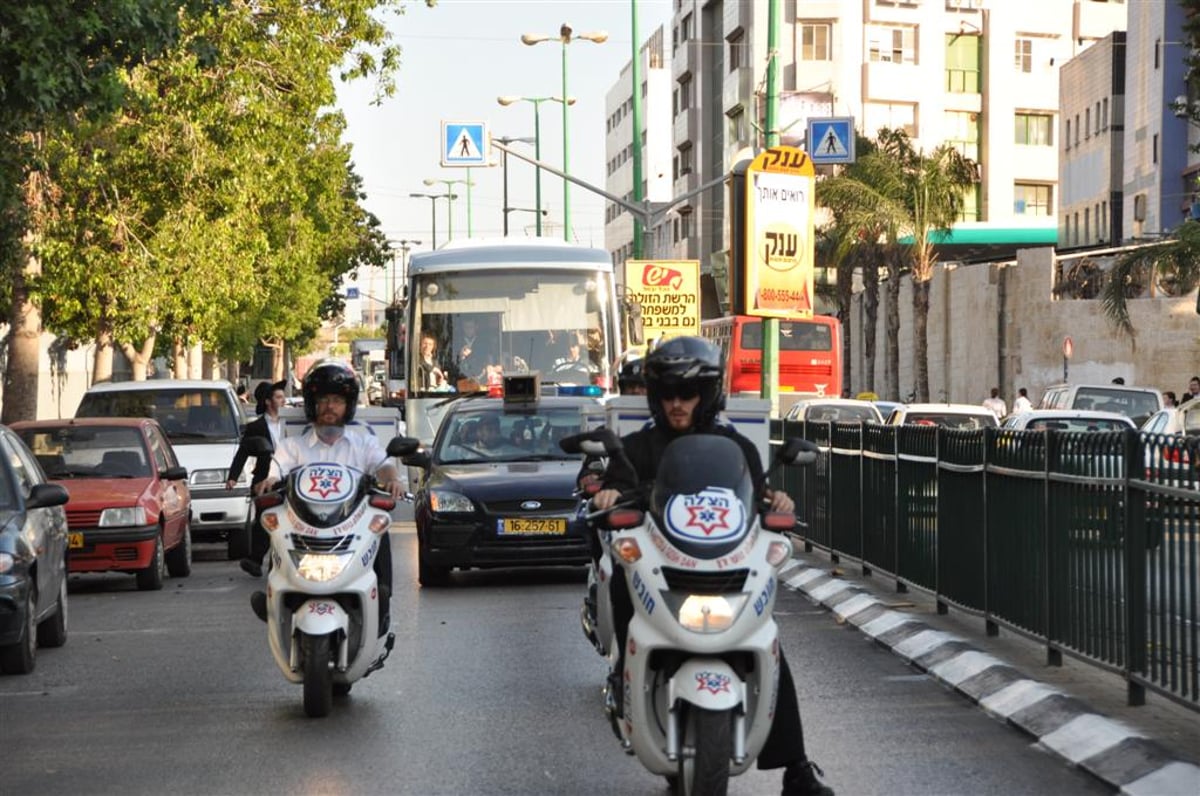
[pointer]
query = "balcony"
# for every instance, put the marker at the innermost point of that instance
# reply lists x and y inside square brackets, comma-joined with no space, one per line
[687,126]
[686,58]
[738,89]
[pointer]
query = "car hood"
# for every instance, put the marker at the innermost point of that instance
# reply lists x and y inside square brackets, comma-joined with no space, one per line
[206,456]
[508,480]
[90,493]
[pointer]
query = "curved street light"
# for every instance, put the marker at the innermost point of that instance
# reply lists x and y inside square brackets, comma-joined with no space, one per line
[565,35]
[450,205]
[537,142]
[433,197]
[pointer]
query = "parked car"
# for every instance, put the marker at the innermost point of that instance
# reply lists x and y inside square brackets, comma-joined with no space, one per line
[1172,445]
[33,558]
[130,506]
[966,416]
[203,421]
[1067,420]
[1137,403]
[502,505]
[834,410]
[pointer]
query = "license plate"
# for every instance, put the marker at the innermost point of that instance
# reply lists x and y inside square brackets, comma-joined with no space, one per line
[75,540]
[532,526]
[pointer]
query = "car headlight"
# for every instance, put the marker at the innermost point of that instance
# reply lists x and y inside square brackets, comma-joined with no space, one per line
[705,613]
[319,567]
[442,500]
[119,518]
[209,477]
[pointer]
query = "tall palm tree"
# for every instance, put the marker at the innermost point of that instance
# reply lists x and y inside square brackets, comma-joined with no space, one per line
[1177,260]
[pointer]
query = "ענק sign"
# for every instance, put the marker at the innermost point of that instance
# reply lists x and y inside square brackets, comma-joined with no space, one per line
[669,294]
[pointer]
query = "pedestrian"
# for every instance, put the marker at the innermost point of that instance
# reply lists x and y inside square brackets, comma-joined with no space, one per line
[996,403]
[268,425]
[1169,401]
[241,394]
[1193,390]
[1022,404]
[684,382]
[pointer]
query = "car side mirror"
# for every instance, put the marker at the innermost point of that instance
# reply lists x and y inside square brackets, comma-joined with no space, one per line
[798,451]
[419,459]
[176,473]
[400,447]
[46,495]
[258,446]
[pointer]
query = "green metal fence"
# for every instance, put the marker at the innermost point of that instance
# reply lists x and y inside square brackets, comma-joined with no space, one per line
[1088,542]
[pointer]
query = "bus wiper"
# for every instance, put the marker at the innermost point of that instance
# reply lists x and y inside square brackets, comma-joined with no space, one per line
[458,397]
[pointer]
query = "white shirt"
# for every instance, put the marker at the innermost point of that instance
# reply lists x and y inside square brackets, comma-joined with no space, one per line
[274,428]
[355,448]
[997,405]
[1022,404]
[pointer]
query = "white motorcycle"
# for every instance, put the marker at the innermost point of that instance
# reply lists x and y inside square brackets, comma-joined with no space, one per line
[326,523]
[701,673]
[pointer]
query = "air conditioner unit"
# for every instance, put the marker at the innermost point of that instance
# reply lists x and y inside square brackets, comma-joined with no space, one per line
[1139,207]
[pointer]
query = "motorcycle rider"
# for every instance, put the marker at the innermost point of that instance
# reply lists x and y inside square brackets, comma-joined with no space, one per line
[330,393]
[684,385]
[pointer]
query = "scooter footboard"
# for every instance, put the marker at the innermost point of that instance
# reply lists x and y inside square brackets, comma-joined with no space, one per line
[708,683]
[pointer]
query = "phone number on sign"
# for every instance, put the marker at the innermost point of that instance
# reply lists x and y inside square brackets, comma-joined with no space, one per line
[779,294]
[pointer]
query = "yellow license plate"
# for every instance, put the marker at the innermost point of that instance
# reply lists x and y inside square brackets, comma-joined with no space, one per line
[533,526]
[75,540]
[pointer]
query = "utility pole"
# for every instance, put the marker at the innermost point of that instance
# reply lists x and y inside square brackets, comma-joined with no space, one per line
[770,326]
[636,74]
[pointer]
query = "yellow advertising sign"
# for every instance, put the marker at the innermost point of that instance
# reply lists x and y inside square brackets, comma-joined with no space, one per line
[669,294]
[780,188]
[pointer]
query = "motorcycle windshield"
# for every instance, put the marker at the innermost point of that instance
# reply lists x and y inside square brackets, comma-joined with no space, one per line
[324,494]
[703,495]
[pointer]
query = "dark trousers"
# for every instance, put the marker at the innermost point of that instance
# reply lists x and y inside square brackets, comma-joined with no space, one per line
[383,573]
[785,742]
[259,541]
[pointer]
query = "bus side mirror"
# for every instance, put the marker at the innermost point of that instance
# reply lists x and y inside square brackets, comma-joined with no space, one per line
[635,331]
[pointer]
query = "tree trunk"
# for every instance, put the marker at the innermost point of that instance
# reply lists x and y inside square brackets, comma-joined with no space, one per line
[139,361]
[891,369]
[195,360]
[102,360]
[870,275]
[212,367]
[845,292]
[178,359]
[24,350]
[920,304]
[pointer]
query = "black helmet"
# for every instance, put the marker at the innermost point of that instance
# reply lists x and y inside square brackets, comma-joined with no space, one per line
[686,362]
[631,375]
[330,378]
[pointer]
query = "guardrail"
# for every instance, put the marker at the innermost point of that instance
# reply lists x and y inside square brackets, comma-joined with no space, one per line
[1086,541]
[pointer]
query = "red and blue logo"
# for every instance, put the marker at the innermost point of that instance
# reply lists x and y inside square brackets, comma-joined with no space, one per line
[712,516]
[325,483]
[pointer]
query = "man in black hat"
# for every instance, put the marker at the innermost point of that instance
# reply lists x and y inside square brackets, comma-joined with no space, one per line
[268,425]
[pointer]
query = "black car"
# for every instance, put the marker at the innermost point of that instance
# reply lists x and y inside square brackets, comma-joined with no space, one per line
[497,490]
[33,558]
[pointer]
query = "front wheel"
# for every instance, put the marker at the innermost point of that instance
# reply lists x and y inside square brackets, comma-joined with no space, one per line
[151,578]
[52,632]
[707,750]
[179,559]
[318,678]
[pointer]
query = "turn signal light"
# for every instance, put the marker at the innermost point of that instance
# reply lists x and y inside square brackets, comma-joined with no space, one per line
[627,550]
[269,521]
[380,523]
[778,552]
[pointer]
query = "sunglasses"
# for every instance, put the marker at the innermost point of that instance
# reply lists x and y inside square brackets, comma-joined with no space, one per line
[684,392]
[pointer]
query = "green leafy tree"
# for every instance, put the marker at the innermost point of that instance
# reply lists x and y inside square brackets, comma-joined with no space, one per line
[1175,261]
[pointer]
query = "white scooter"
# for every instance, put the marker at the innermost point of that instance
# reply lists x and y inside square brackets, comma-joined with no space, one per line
[326,523]
[701,673]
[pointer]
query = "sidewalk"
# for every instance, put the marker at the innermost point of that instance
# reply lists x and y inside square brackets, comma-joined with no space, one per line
[1076,712]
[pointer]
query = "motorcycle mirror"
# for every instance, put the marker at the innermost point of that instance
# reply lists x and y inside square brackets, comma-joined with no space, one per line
[798,451]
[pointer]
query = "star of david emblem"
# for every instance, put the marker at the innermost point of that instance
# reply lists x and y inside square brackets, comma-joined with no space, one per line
[707,518]
[325,485]
[712,682]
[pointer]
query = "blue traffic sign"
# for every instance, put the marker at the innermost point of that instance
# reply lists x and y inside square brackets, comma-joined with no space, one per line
[831,140]
[464,144]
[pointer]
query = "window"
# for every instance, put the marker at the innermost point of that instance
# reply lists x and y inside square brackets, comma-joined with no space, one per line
[1033,129]
[685,28]
[1087,224]
[1031,200]
[1077,129]
[686,159]
[1024,55]
[739,52]
[814,42]
[1105,106]
[737,125]
[962,132]
[892,44]
[896,115]
[685,92]
[685,223]
[1067,139]
[1087,123]
[963,64]
[1075,237]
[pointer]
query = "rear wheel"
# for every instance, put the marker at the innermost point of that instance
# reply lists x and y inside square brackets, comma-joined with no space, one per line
[708,748]
[151,578]
[239,538]
[318,678]
[52,632]
[179,558]
[20,656]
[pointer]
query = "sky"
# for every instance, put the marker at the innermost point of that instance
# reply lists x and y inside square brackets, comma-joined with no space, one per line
[458,57]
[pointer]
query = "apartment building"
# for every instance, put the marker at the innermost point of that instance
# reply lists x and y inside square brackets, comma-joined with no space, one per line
[655,111]
[982,74]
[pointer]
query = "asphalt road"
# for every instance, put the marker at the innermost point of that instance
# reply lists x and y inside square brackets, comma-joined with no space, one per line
[492,689]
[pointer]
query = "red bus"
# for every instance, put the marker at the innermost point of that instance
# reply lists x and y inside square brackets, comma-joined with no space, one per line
[810,354]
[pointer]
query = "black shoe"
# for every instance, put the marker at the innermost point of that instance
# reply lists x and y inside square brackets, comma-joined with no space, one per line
[251,567]
[614,700]
[800,779]
[258,603]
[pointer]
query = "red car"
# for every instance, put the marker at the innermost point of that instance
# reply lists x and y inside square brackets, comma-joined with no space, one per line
[130,506]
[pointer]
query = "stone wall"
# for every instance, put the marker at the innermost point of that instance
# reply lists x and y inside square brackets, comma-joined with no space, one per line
[999,325]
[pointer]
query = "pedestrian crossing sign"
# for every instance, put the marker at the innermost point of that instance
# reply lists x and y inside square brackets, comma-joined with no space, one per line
[464,143]
[831,140]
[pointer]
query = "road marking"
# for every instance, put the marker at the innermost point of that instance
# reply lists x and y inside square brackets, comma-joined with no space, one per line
[1086,735]
[923,642]
[1016,697]
[885,622]
[827,590]
[1173,778]
[964,666]
[859,602]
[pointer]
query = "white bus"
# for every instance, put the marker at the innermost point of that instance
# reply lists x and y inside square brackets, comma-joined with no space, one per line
[482,309]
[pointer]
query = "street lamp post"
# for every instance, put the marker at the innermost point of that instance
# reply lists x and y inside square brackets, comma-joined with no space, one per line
[433,197]
[404,245]
[506,140]
[566,36]
[450,204]
[537,143]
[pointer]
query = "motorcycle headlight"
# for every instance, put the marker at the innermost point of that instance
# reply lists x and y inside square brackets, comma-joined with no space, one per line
[705,613]
[443,500]
[119,518]
[320,567]
[209,477]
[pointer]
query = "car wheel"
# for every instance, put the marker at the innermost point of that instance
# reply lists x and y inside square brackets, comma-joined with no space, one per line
[52,632]
[20,656]
[179,558]
[151,578]
[430,575]
[239,539]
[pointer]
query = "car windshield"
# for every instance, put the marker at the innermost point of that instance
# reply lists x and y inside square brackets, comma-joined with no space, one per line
[1131,403]
[1078,424]
[493,435]
[841,414]
[948,420]
[188,415]
[89,451]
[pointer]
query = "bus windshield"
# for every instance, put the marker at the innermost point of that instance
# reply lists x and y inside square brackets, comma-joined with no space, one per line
[470,328]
